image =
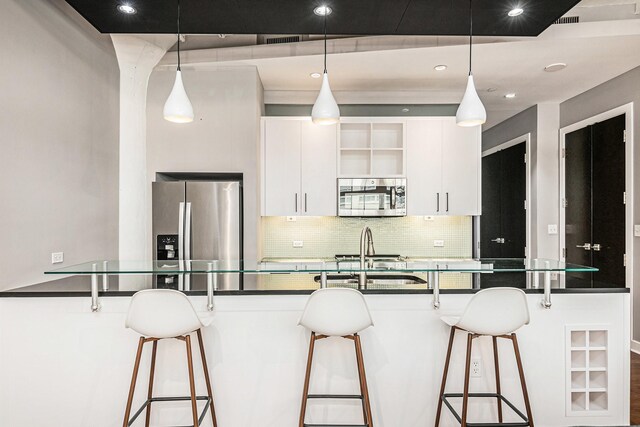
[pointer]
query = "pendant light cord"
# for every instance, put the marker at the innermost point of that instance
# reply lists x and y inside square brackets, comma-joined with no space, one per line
[470,33]
[178,35]
[325,41]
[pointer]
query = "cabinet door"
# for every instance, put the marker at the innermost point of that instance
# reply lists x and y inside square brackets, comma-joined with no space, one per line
[461,157]
[319,169]
[282,167]
[424,167]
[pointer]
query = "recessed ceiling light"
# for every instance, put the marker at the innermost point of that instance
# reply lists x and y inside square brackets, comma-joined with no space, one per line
[555,67]
[440,67]
[516,11]
[405,110]
[491,89]
[127,9]
[315,75]
[510,95]
[322,10]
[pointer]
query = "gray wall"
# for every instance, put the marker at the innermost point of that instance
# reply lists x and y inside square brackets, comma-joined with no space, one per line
[224,137]
[59,84]
[614,93]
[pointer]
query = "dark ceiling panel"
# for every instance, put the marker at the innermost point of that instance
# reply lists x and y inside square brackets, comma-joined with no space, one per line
[402,17]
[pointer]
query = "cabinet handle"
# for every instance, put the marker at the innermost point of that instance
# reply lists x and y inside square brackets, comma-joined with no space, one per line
[296,202]
[447,202]
[437,202]
[305,202]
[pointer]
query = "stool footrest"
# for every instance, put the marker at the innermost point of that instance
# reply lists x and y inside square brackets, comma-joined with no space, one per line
[336,425]
[172,399]
[524,423]
[334,396]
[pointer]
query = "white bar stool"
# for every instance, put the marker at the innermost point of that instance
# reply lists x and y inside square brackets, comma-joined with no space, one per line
[498,313]
[337,312]
[159,314]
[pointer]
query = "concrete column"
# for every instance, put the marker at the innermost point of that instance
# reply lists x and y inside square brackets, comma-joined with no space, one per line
[137,56]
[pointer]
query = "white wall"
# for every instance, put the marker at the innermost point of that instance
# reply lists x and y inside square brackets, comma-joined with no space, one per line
[224,136]
[58,139]
[614,93]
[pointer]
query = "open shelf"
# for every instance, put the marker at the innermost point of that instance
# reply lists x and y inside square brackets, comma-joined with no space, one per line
[587,370]
[373,149]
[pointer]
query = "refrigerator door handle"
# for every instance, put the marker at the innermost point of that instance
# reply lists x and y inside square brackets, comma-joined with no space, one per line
[181,232]
[187,232]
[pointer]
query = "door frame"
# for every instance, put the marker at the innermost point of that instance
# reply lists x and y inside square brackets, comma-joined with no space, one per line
[627,110]
[526,138]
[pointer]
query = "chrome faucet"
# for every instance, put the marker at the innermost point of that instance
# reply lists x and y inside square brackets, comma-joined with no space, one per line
[366,243]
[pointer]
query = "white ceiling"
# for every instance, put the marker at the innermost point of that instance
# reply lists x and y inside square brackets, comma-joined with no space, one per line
[595,52]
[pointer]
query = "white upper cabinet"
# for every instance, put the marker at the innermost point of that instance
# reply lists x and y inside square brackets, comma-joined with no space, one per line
[443,167]
[461,173]
[299,168]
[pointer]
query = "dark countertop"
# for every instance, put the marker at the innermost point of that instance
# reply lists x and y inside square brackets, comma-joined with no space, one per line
[79,286]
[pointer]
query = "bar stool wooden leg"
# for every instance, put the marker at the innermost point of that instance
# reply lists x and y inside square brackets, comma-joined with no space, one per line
[525,394]
[192,383]
[206,376]
[151,375]
[305,390]
[497,368]
[444,375]
[467,369]
[132,388]
[368,419]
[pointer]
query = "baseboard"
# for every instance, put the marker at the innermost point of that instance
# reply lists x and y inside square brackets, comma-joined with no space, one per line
[635,346]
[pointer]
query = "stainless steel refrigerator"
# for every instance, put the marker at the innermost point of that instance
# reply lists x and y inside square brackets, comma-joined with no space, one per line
[197,220]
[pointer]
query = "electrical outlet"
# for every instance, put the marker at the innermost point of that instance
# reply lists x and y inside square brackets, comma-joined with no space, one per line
[438,243]
[57,257]
[554,275]
[636,230]
[291,219]
[298,243]
[552,228]
[476,368]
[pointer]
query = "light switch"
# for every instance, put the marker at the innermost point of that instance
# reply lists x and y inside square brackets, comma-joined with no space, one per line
[438,243]
[636,230]
[552,228]
[298,243]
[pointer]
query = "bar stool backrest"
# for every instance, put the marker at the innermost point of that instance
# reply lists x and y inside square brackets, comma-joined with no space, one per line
[162,313]
[336,312]
[495,311]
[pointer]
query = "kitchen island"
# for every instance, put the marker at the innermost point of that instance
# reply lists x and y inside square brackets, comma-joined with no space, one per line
[257,353]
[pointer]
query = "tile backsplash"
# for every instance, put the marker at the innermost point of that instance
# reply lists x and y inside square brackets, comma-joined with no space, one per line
[324,237]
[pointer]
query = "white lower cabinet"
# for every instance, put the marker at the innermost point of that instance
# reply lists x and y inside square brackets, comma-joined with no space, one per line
[443,168]
[299,162]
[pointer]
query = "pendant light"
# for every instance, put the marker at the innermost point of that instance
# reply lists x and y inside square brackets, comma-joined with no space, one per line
[325,110]
[178,108]
[471,112]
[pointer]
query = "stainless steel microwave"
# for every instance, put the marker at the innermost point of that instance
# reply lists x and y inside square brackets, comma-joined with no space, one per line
[372,197]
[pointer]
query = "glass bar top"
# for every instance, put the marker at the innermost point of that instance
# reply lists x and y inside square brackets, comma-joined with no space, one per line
[314,266]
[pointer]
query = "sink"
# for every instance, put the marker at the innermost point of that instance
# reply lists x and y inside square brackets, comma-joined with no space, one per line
[374,280]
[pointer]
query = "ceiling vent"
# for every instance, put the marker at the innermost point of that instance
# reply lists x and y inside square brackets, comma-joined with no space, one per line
[277,39]
[568,20]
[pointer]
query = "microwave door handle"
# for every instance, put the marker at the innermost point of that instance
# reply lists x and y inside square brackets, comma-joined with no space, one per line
[181,231]
[393,197]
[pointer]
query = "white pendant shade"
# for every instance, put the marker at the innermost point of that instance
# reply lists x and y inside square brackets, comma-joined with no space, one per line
[325,110]
[178,108]
[471,112]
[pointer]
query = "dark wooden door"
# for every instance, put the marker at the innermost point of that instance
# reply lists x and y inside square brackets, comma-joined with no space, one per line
[595,209]
[503,231]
